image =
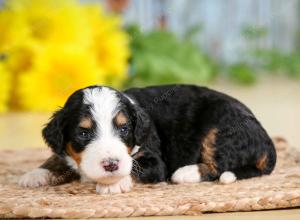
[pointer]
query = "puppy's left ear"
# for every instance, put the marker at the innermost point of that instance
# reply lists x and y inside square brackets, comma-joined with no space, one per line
[53,133]
[145,131]
[142,127]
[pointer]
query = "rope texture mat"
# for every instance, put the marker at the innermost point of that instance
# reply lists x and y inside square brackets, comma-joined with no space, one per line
[79,200]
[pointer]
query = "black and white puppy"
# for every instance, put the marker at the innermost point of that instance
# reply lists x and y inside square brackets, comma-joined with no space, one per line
[182,133]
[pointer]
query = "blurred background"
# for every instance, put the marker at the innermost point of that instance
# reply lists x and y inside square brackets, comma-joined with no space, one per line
[249,49]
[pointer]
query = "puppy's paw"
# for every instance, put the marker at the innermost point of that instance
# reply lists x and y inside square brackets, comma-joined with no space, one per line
[122,186]
[227,177]
[36,178]
[187,174]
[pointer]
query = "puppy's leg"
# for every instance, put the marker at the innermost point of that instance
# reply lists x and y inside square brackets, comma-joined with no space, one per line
[148,167]
[54,171]
[187,174]
[194,173]
[204,171]
[227,177]
[123,185]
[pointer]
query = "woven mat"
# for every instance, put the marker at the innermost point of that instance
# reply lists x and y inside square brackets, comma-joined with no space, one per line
[79,200]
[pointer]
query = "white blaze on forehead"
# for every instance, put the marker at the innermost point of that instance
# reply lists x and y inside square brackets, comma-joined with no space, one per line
[104,104]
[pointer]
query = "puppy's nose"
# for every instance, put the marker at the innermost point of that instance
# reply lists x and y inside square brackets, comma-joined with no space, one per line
[110,164]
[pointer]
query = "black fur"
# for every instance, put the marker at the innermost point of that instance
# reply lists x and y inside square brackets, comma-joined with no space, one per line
[60,170]
[170,123]
[53,133]
[183,114]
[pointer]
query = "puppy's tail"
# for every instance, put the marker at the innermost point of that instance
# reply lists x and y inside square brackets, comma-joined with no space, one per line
[264,164]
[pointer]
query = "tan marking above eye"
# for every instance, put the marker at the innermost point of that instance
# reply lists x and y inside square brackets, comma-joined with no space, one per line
[86,123]
[121,119]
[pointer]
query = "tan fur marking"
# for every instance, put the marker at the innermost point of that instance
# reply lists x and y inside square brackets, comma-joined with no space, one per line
[76,156]
[85,123]
[262,162]
[138,155]
[121,119]
[208,152]
[129,149]
[204,169]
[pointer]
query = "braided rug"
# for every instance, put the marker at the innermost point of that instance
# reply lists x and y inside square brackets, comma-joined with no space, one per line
[79,200]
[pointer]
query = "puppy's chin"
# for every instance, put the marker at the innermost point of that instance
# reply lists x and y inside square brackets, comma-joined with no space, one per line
[92,170]
[109,180]
[106,179]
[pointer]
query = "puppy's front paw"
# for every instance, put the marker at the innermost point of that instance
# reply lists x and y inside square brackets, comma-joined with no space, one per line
[124,185]
[187,174]
[36,178]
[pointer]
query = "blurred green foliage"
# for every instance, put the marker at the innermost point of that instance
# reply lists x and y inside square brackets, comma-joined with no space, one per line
[242,73]
[159,57]
[253,33]
[276,62]
[259,60]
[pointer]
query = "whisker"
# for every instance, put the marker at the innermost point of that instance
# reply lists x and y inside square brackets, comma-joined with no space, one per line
[137,169]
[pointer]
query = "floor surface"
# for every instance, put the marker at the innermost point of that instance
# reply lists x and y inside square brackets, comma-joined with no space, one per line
[275,102]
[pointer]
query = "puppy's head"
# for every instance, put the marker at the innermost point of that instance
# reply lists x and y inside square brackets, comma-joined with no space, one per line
[96,131]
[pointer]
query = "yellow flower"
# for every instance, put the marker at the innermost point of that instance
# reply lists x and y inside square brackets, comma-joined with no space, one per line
[5,86]
[112,55]
[57,72]
[110,44]
[20,58]
[12,30]
[55,47]
[51,20]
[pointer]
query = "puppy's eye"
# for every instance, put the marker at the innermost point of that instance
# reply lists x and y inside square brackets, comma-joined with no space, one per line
[124,129]
[85,135]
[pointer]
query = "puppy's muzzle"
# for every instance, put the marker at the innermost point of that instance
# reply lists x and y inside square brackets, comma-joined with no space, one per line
[110,164]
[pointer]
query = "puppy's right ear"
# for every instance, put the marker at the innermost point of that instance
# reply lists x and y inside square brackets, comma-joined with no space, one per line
[53,133]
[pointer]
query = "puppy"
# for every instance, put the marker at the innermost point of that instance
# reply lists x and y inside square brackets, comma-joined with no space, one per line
[182,133]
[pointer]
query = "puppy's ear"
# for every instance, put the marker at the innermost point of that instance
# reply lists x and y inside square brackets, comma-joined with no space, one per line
[142,126]
[144,131]
[53,133]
